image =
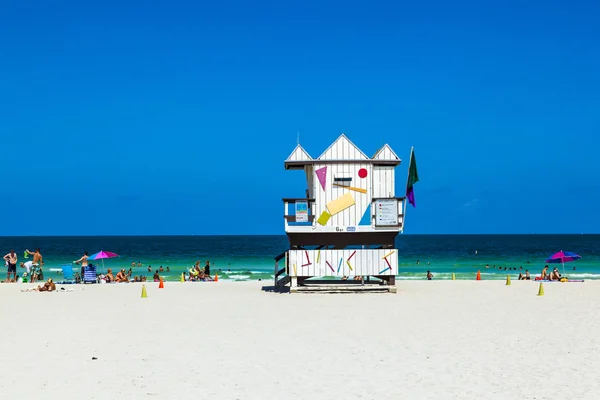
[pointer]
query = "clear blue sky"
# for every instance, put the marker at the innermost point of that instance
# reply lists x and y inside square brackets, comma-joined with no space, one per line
[175,118]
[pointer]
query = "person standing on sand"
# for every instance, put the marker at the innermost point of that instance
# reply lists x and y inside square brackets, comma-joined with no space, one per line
[37,256]
[84,261]
[38,261]
[429,275]
[11,259]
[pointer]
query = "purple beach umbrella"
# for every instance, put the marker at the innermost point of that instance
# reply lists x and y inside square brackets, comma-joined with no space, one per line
[562,257]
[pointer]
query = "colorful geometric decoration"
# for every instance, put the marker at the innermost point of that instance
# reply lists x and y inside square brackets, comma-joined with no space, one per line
[324,218]
[352,188]
[322,176]
[362,173]
[318,256]
[340,204]
[366,218]
[340,265]
[330,267]
[348,260]
[307,259]
[387,269]
[349,266]
[388,261]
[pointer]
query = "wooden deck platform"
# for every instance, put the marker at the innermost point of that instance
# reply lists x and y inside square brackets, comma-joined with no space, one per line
[339,286]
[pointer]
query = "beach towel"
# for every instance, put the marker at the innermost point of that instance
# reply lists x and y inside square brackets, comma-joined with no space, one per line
[54,291]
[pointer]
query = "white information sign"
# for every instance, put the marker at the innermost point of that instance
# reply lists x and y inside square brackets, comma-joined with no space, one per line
[386,212]
[301,211]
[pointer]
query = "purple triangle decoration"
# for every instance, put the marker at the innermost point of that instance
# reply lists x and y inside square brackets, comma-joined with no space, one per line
[322,175]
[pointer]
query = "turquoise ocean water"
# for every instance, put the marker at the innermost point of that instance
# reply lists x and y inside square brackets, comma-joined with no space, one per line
[251,257]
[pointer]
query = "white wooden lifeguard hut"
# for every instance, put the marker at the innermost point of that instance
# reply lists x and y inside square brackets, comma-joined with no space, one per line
[346,224]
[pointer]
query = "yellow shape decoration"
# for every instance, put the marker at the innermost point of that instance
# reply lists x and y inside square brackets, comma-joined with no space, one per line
[340,204]
[352,188]
[324,218]
[387,255]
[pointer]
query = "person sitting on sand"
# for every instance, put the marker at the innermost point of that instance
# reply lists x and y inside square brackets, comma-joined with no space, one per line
[527,276]
[48,287]
[121,277]
[193,274]
[545,273]
[555,275]
[109,277]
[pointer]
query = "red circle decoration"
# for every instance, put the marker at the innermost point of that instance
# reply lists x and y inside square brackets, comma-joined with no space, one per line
[362,173]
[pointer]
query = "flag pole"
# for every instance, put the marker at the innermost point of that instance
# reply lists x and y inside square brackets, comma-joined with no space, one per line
[412,149]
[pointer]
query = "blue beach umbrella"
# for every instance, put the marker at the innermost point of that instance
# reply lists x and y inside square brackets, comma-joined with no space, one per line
[562,257]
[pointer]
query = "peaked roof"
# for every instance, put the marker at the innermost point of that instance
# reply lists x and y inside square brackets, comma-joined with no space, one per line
[299,154]
[386,153]
[343,149]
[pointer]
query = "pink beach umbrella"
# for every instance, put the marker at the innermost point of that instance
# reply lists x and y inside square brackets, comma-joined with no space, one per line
[101,255]
[563,257]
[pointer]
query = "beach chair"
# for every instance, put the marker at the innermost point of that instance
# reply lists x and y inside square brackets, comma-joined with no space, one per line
[89,274]
[68,277]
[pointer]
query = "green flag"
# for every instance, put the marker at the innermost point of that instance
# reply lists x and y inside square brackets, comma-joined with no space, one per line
[413,177]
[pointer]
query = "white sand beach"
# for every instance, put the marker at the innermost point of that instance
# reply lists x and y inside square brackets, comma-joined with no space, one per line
[228,340]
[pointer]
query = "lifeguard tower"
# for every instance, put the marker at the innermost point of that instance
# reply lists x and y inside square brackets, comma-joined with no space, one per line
[346,224]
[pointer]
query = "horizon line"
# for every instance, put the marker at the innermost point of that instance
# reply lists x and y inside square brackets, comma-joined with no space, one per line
[283,234]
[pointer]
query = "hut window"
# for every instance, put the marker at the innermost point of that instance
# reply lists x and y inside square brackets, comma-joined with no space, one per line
[342,179]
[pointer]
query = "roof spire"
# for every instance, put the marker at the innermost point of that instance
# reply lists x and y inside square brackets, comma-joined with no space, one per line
[298,138]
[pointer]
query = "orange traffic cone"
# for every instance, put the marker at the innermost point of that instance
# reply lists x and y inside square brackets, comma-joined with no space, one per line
[216,277]
[478,275]
[161,285]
